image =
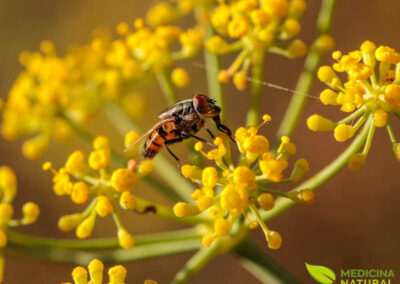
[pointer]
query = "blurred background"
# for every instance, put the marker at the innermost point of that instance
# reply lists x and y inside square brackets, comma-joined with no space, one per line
[354,222]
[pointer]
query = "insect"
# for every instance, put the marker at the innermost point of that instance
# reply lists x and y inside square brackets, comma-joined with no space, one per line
[181,121]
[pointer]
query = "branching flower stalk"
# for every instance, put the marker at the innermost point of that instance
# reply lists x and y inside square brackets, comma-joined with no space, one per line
[221,199]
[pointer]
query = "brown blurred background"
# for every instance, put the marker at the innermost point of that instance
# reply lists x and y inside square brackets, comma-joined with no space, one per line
[354,222]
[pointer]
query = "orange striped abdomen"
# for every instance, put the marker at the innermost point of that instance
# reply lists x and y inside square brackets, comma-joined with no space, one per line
[156,140]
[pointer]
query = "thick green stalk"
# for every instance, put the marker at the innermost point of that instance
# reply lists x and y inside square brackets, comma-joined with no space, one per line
[253,114]
[262,266]
[164,168]
[307,77]
[212,63]
[141,252]
[24,240]
[282,204]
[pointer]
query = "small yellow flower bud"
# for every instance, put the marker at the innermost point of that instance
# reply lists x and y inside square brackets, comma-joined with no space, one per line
[221,227]
[47,47]
[336,54]
[123,28]
[253,225]
[180,77]
[84,229]
[80,192]
[125,239]
[123,180]
[96,268]
[319,123]
[277,8]
[307,196]
[204,202]
[67,223]
[31,211]
[356,162]
[290,28]
[224,76]
[301,167]
[79,274]
[274,240]
[387,54]
[244,176]
[380,118]
[296,8]
[74,162]
[259,17]
[240,80]
[6,213]
[34,148]
[217,45]
[326,74]
[237,27]
[3,239]
[209,177]
[266,201]
[273,168]
[343,132]
[103,206]
[207,241]
[46,166]
[127,201]
[8,183]
[368,47]
[146,167]
[192,172]
[328,97]
[182,209]
[150,282]
[392,96]
[101,143]
[256,144]
[323,44]
[131,137]
[297,48]
[117,274]
[162,14]
[99,159]
[266,36]
[396,151]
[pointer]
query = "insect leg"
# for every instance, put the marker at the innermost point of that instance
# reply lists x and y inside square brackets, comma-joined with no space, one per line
[187,135]
[223,128]
[173,155]
[209,132]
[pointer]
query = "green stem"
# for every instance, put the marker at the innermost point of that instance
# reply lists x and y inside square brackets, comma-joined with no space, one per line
[164,168]
[282,204]
[212,63]
[253,113]
[145,251]
[163,78]
[261,265]
[390,132]
[24,240]
[307,77]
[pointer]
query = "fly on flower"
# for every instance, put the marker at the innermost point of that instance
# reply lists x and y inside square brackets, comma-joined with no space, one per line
[181,121]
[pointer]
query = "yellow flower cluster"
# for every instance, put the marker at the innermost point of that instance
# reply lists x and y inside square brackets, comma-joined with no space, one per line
[228,191]
[52,91]
[92,178]
[8,191]
[368,95]
[257,27]
[116,274]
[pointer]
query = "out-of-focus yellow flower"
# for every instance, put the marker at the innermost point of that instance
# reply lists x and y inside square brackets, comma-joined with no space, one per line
[367,95]
[228,191]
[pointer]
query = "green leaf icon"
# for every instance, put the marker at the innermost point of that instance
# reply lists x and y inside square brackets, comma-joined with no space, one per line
[321,274]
